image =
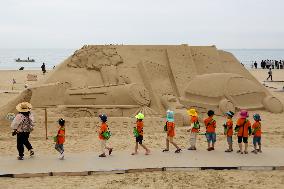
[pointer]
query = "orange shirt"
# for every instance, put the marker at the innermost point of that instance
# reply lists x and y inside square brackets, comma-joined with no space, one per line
[171,129]
[139,127]
[61,136]
[229,125]
[194,119]
[257,126]
[102,129]
[243,128]
[210,125]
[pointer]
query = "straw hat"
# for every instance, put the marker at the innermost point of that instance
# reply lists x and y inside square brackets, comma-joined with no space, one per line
[170,116]
[192,112]
[243,114]
[24,107]
[139,116]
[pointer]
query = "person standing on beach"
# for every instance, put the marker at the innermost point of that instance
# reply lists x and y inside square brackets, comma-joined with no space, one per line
[194,128]
[23,125]
[269,74]
[170,129]
[43,68]
[255,65]
[243,129]
[228,130]
[256,132]
[138,133]
[210,125]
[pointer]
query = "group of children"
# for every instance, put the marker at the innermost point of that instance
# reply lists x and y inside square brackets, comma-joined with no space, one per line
[243,129]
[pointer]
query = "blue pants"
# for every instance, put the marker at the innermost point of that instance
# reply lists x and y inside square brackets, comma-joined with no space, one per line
[211,137]
[256,140]
[230,139]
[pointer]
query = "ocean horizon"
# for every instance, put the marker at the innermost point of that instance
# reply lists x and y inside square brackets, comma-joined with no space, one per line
[54,56]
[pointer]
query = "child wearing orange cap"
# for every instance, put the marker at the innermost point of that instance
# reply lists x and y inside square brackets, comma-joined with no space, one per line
[256,132]
[210,125]
[138,133]
[194,128]
[170,129]
[243,128]
[228,130]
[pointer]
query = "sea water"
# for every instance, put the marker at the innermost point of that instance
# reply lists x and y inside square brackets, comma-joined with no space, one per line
[53,57]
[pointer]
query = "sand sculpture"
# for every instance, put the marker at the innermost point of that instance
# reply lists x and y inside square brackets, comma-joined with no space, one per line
[123,80]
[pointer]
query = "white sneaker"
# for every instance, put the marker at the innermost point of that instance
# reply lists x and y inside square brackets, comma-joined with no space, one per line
[61,156]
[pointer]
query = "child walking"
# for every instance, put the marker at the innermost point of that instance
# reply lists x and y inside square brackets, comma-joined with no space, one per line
[104,135]
[194,128]
[243,128]
[256,132]
[139,134]
[228,130]
[170,129]
[210,125]
[60,138]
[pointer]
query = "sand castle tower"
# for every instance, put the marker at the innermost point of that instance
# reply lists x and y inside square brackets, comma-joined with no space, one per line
[121,80]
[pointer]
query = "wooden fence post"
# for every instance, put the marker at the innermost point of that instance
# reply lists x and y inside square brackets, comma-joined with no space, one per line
[45,122]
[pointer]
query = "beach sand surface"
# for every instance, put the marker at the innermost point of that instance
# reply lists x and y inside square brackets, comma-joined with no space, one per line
[82,136]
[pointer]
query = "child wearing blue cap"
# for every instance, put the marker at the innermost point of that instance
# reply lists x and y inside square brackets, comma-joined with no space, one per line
[104,135]
[256,132]
[170,129]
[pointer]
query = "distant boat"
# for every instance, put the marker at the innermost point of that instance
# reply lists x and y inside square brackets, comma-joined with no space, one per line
[25,60]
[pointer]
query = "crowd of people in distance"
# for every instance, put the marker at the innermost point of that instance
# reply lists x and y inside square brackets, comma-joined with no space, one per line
[266,64]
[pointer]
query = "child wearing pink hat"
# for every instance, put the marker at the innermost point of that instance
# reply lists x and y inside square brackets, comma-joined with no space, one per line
[243,129]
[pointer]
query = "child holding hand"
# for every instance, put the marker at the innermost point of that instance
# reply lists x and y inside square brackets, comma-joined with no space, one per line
[256,132]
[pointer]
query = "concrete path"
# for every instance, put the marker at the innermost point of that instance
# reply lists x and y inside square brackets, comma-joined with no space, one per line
[121,162]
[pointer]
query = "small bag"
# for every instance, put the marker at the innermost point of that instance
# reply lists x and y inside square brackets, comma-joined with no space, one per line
[135,132]
[106,135]
[196,125]
[55,138]
[225,128]
[166,127]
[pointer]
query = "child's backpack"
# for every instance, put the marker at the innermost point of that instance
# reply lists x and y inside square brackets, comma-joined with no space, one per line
[106,135]
[135,132]
[225,128]
[166,127]
[55,138]
[196,125]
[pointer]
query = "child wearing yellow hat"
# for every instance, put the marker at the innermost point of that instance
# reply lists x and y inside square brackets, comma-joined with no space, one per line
[194,128]
[138,133]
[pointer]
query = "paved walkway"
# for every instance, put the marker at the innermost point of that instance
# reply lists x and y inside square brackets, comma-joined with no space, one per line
[123,162]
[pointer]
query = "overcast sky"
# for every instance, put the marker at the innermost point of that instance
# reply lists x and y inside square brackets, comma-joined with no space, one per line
[73,23]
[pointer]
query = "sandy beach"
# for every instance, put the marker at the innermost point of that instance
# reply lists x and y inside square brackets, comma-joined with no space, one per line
[82,136]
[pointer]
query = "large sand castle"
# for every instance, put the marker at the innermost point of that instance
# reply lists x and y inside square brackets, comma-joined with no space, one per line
[121,80]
